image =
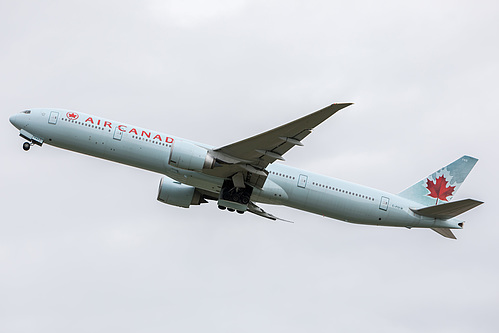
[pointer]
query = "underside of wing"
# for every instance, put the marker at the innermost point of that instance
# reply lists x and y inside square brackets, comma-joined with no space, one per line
[265,148]
[252,208]
[251,156]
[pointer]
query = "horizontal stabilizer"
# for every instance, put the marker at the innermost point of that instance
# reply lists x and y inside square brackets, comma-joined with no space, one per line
[444,232]
[448,210]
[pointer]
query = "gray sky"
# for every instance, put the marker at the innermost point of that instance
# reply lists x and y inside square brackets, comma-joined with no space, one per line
[85,246]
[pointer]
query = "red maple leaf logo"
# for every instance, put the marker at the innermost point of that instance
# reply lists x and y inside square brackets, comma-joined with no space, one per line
[439,188]
[72,115]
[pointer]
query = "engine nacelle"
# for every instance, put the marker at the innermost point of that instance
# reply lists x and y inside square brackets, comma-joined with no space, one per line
[188,156]
[177,194]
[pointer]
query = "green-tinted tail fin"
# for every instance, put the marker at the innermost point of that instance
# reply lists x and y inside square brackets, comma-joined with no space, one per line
[442,185]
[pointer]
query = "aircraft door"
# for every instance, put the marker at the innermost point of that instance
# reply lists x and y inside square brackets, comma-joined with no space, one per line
[117,134]
[53,117]
[383,205]
[302,181]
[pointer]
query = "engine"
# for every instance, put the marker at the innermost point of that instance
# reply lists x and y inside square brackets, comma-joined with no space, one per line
[174,193]
[188,156]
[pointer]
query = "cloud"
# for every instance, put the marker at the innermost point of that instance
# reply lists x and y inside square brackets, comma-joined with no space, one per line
[85,244]
[194,13]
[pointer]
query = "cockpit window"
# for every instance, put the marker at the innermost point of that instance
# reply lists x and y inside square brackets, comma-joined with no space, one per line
[26,111]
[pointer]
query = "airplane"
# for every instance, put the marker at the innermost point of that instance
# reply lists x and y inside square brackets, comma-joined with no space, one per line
[240,175]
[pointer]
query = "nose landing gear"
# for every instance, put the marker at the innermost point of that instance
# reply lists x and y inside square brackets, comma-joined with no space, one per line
[32,139]
[27,146]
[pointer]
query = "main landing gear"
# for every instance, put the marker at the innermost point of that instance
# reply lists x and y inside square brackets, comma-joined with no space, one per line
[27,146]
[234,198]
[230,209]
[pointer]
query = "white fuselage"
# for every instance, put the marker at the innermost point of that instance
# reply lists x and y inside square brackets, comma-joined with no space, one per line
[285,185]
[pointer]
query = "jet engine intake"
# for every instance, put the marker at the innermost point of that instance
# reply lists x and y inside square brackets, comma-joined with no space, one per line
[188,156]
[177,194]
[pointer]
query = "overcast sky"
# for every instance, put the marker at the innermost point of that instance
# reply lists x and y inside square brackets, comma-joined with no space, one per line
[85,246]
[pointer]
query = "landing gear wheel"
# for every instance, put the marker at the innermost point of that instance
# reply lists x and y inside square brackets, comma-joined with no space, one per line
[245,199]
[235,197]
[26,146]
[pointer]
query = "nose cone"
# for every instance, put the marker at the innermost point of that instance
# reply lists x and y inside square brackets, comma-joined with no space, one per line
[14,120]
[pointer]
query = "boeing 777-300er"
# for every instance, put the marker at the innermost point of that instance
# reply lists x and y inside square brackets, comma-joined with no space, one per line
[242,174]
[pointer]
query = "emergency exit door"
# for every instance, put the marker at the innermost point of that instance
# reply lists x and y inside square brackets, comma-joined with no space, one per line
[53,117]
[302,181]
[383,205]
[117,134]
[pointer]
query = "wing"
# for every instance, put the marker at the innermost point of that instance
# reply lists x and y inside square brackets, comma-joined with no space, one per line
[263,149]
[252,208]
[251,156]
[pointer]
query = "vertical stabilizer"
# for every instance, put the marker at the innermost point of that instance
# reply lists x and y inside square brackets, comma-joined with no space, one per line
[442,185]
